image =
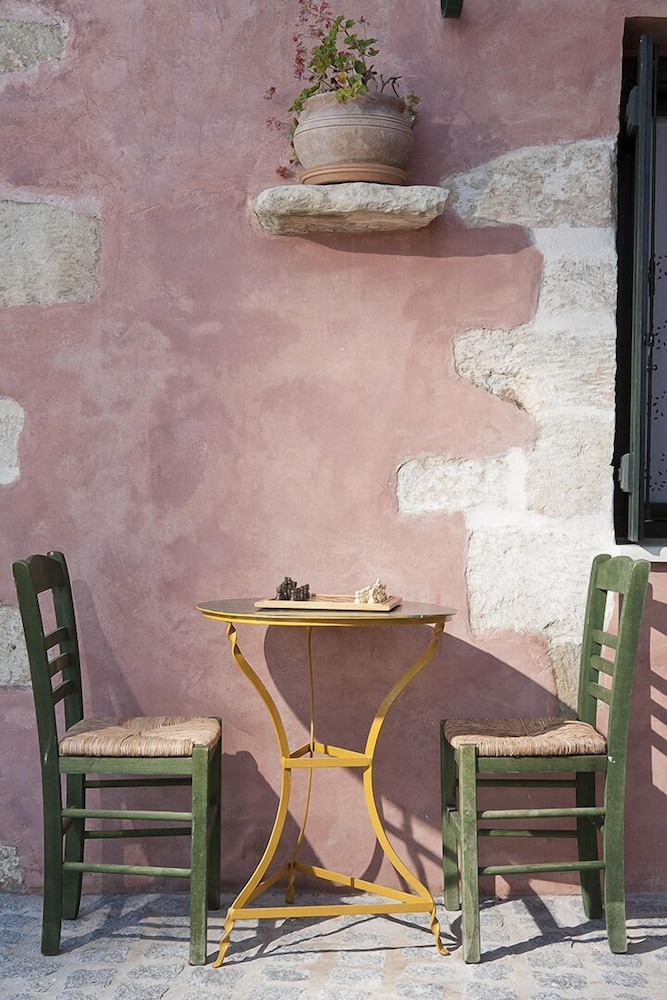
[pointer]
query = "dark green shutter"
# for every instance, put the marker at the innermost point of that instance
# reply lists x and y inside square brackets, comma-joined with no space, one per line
[640,120]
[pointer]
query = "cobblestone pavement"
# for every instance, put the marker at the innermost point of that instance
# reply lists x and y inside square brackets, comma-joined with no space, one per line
[131,946]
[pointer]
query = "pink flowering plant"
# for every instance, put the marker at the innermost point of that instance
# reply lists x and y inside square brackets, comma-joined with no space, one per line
[332,55]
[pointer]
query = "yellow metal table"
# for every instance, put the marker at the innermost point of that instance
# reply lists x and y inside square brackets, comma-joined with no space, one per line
[315,754]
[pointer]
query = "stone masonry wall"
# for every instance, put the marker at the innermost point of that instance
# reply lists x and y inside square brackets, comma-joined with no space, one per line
[524,508]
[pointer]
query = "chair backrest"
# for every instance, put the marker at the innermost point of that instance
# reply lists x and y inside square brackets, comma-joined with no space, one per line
[609,644]
[53,655]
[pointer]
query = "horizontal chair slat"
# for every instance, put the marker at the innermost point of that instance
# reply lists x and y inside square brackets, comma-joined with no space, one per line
[604,665]
[125,765]
[61,691]
[541,813]
[83,866]
[540,765]
[526,783]
[507,832]
[138,833]
[551,866]
[151,814]
[605,638]
[55,638]
[602,693]
[136,782]
[58,663]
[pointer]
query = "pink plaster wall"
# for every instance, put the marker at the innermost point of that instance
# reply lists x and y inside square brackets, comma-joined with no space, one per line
[233,406]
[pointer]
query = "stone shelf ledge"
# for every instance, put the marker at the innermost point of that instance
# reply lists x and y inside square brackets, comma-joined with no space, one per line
[293,209]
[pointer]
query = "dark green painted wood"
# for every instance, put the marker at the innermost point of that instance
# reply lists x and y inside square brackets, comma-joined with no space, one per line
[58,679]
[627,580]
[640,120]
[450,864]
[469,854]
[451,8]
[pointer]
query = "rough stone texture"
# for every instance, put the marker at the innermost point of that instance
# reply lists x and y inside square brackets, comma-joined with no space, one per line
[533,366]
[436,483]
[539,947]
[565,653]
[11,425]
[527,509]
[24,44]
[539,186]
[360,207]
[566,476]
[579,273]
[14,670]
[47,254]
[539,572]
[11,871]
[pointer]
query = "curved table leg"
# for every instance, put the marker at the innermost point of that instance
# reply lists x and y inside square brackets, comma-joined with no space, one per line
[419,888]
[291,866]
[253,882]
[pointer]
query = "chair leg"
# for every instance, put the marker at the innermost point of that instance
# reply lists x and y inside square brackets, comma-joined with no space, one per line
[614,872]
[52,907]
[450,865]
[469,853]
[74,845]
[587,841]
[199,855]
[215,841]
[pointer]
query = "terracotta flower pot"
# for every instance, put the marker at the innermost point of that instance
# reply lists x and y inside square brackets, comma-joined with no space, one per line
[368,138]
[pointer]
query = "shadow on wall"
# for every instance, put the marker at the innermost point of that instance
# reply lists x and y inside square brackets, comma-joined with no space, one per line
[445,237]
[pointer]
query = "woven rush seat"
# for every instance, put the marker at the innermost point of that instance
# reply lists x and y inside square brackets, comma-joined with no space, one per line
[549,737]
[158,736]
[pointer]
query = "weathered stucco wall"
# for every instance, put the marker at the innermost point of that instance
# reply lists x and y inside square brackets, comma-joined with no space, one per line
[191,407]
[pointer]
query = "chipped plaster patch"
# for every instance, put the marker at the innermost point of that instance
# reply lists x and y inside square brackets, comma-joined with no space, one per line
[565,655]
[14,669]
[536,518]
[542,369]
[531,578]
[11,425]
[26,43]
[47,254]
[562,481]
[436,483]
[11,870]
[568,183]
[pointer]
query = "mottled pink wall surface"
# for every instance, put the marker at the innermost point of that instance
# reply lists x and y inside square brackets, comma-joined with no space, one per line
[232,406]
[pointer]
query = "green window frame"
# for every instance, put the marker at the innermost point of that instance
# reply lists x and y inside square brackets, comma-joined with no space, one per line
[643,101]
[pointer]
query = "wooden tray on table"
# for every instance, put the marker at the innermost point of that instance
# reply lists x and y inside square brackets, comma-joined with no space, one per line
[329,602]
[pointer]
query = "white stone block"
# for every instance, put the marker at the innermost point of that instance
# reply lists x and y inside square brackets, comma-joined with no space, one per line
[563,183]
[11,870]
[14,669]
[11,425]
[26,43]
[47,254]
[569,471]
[438,483]
[543,366]
[532,579]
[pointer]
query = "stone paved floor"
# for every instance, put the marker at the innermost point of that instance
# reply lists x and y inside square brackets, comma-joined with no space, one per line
[134,947]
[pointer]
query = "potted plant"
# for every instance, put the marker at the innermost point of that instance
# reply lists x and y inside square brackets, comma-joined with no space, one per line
[349,122]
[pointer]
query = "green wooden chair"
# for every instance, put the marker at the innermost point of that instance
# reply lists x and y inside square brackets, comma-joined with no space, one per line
[124,753]
[544,748]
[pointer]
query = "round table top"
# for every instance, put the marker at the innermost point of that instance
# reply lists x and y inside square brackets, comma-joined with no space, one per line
[244,610]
